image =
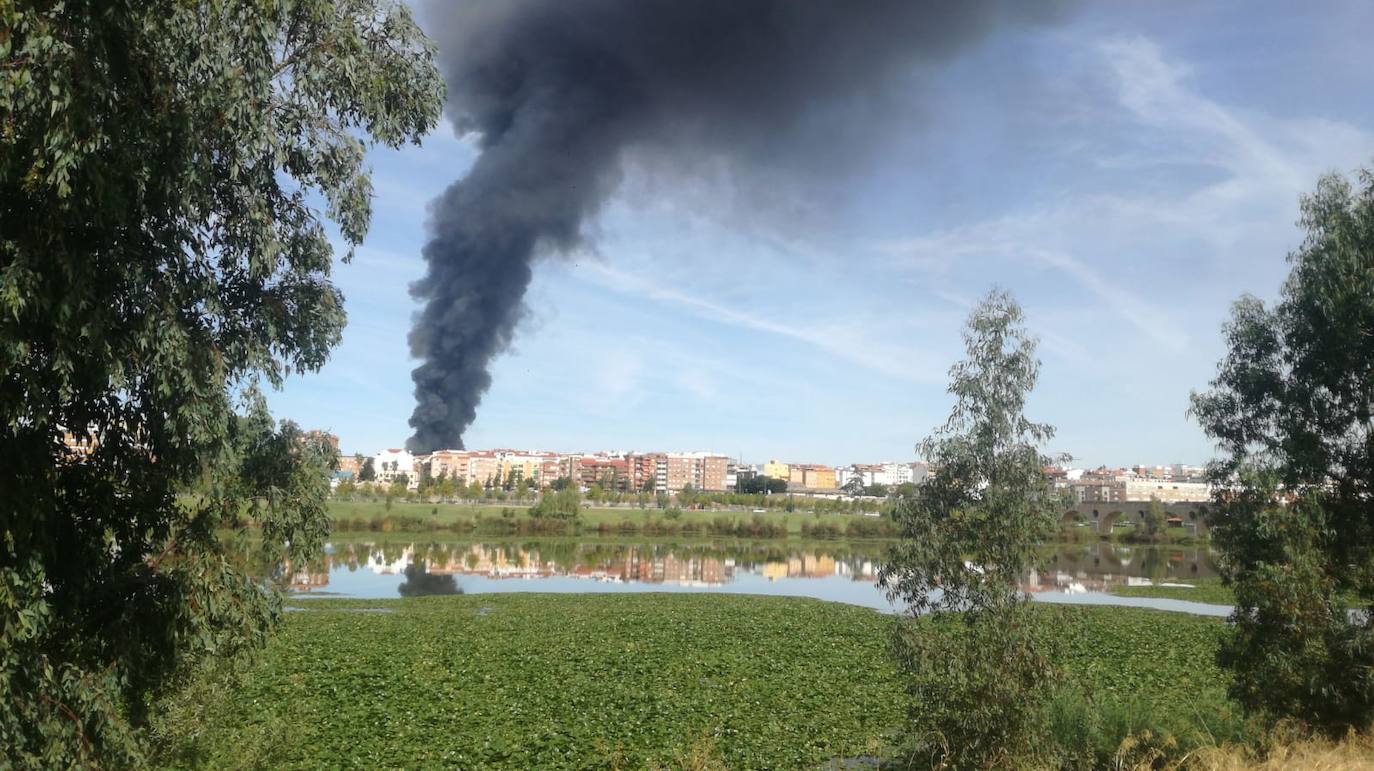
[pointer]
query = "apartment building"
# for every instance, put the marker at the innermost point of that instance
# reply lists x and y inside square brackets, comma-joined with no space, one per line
[1166,491]
[325,436]
[673,471]
[1097,490]
[811,476]
[450,464]
[612,473]
[642,470]
[677,471]
[776,470]
[888,474]
[79,444]
[391,463]
[350,464]
[715,471]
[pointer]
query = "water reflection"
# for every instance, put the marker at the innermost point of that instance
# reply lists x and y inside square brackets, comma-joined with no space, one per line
[420,582]
[690,566]
[1100,567]
[841,572]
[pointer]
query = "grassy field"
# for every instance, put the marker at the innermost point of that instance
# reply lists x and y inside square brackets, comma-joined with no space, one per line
[590,518]
[1208,590]
[631,681]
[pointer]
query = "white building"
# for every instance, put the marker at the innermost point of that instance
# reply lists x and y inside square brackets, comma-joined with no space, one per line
[734,471]
[887,474]
[388,464]
[1167,491]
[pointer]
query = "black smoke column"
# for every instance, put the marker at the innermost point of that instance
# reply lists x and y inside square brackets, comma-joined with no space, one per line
[558,89]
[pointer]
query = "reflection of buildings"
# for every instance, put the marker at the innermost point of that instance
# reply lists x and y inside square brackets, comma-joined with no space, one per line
[1081,581]
[819,566]
[649,564]
[1068,568]
[306,578]
[305,581]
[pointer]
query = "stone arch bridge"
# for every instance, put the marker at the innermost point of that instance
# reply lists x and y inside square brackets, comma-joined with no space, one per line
[1105,516]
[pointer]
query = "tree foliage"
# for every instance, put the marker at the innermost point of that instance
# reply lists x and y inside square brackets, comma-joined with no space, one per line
[1155,519]
[1292,408]
[558,504]
[161,168]
[760,485]
[968,537]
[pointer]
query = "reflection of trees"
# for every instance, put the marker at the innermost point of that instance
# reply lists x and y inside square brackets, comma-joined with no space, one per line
[1154,565]
[421,583]
[392,552]
[1157,563]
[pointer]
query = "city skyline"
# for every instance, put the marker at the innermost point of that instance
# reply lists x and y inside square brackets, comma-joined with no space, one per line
[667,472]
[345,450]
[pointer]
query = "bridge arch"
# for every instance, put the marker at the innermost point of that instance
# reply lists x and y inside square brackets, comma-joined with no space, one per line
[1108,521]
[1192,516]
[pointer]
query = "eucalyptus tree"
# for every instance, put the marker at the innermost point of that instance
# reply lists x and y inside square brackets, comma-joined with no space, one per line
[1292,409]
[977,666]
[167,168]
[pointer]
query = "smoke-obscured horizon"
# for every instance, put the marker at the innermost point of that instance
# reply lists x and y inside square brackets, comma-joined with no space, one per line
[558,91]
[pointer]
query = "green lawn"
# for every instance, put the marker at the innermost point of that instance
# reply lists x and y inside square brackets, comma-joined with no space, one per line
[1208,590]
[596,680]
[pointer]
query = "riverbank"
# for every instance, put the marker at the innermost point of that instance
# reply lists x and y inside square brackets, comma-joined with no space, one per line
[1206,590]
[523,681]
[514,519]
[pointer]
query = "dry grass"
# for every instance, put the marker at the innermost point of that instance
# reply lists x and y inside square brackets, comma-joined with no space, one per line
[702,755]
[1353,753]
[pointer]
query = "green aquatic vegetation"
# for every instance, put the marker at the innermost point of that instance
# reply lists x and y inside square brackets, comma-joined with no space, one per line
[540,681]
[1134,671]
[580,681]
[1166,659]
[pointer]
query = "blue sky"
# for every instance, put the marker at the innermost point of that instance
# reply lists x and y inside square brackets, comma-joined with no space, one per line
[1126,174]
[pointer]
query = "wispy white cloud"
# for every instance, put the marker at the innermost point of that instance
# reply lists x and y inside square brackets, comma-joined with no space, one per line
[1260,165]
[1268,160]
[1156,92]
[1016,238]
[843,340]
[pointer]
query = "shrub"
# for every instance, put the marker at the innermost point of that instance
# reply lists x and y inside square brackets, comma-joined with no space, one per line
[977,683]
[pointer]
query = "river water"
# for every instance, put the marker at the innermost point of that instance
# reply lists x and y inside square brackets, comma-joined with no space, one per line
[842,572]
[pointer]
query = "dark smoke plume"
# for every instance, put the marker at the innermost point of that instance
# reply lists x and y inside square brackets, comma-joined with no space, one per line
[558,90]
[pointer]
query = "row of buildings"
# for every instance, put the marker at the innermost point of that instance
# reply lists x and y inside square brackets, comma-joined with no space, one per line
[1178,483]
[666,472]
[672,472]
